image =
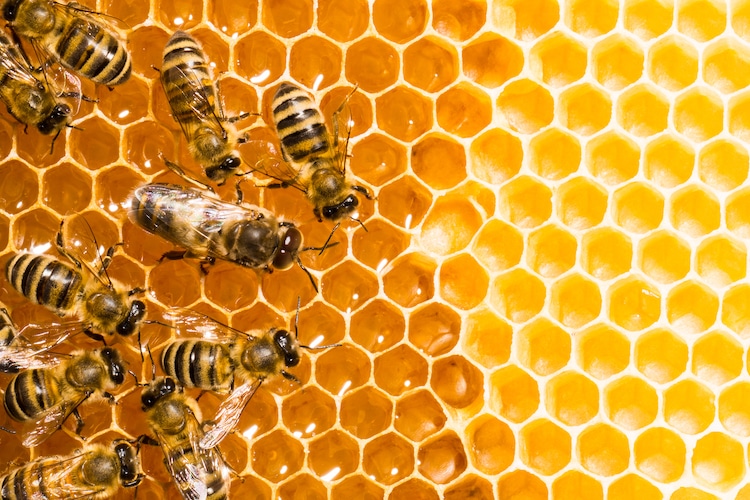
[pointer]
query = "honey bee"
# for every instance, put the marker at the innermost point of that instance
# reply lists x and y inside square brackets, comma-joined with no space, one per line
[190,92]
[198,472]
[80,40]
[95,472]
[313,162]
[43,398]
[104,306]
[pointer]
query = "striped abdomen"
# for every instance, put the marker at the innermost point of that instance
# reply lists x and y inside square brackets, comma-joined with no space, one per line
[186,79]
[27,482]
[184,458]
[90,50]
[199,363]
[46,281]
[30,393]
[300,126]
[7,328]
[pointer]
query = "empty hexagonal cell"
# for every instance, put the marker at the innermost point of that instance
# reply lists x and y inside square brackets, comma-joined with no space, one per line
[602,351]
[439,161]
[643,111]
[638,207]
[400,369]
[522,484]
[738,122]
[575,301]
[343,20]
[469,487]
[19,186]
[458,20]
[409,280]
[430,64]
[388,459]
[554,154]
[617,61]
[723,164]
[144,142]
[377,159]
[174,283]
[514,394]
[287,18]
[400,21]
[673,63]
[525,106]
[543,347]
[357,486]
[664,257]
[721,260]
[726,66]
[668,161]
[633,486]
[591,18]
[260,58]
[486,338]
[734,409]
[613,157]
[695,211]
[571,398]
[634,304]
[517,295]
[558,59]
[660,454]
[434,329]
[314,61]
[277,455]
[146,45]
[737,210]
[699,114]
[690,493]
[701,20]
[229,287]
[718,461]
[491,60]
[545,447]
[113,189]
[405,202]
[576,485]
[34,228]
[97,144]
[606,253]
[131,105]
[333,455]
[365,412]
[661,355]
[717,358]
[581,203]
[491,444]
[404,113]
[498,257]
[692,307]
[584,109]
[456,381]
[551,251]
[496,156]
[313,488]
[414,489]
[342,369]
[442,459]
[379,244]
[372,64]
[354,286]
[647,19]
[464,110]
[689,406]
[450,225]
[418,415]
[526,202]
[630,403]
[177,15]
[603,450]
[377,326]
[463,282]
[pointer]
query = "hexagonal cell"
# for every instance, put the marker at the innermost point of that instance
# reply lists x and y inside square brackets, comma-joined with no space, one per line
[695,211]
[277,455]
[489,61]
[496,156]
[458,20]
[113,189]
[230,19]
[146,45]
[486,338]
[366,412]
[602,351]
[439,161]
[404,113]
[372,64]
[673,63]
[414,489]
[464,110]
[342,369]
[613,157]
[357,486]
[456,381]
[643,111]
[591,18]
[259,58]
[726,66]
[377,326]
[718,461]
[525,106]
[418,415]
[701,20]
[334,455]
[400,369]
[315,62]
[19,186]
[543,347]
[717,358]
[400,21]
[584,109]
[734,409]
[661,355]
[469,487]
[575,301]
[174,283]
[144,142]
[582,203]
[630,403]
[463,282]
[34,228]
[230,287]
[313,488]
[179,15]
[721,260]
[558,59]
[688,406]
[287,18]
[690,493]
[434,329]
[96,145]
[575,485]
[498,257]
[606,253]
[430,64]
[131,104]
[355,285]
[551,251]
[521,484]
[450,226]
[692,307]
[571,398]
[634,304]
[545,447]
[129,12]
[698,114]
[554,154]
[517,295]
[617,61]
[514,394]
[491,444]
[633,486]
[525,202]
[410,279]
[388,459]
[377,159]
[379,244]
[277,293]
[603,450]
[638,207]
[668,161]
[723,164]
[343,20]
[405,202]
[442,459]
[738,206]
[648,19]
[4,231]
[664,257]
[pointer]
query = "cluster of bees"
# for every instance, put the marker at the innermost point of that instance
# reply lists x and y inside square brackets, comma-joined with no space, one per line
[47,387]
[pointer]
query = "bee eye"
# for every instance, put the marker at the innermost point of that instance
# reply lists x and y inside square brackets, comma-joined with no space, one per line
[9,11]
[289,247]
[336,212]
[148,399]
[288,346]
[128,325]
[231,163]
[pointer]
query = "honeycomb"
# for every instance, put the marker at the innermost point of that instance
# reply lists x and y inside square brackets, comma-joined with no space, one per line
[547,300]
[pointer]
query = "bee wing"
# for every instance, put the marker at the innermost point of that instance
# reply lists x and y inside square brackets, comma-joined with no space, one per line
[14,358]
[41,338]
[199,104]
[201,325]
[14,64]
[81,11]
[57,482]
[271,164]
[228,414]
[36,431]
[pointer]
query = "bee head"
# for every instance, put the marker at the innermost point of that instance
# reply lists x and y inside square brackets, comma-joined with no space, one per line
[56,119]
[288,345]
[286,255]
[135,315]
[157,390]
[222,170]
[128,458]
[340,210]
[115,365]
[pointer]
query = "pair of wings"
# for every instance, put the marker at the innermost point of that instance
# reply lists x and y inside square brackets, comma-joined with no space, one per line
[30,348]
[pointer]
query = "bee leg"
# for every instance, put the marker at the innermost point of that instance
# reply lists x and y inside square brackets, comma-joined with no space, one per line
[146,439]
[95,336]
[77,95]
[200,395]
[60,243]
[206,263]
[364,191]
[109,397]
[173,255]
[79,422]
[291,377]
[180,172]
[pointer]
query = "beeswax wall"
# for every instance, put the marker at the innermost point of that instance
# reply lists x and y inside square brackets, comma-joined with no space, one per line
[551,296]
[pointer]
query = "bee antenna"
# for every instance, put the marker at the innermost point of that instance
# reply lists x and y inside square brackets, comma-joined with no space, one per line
[325,245]
[153,365]
[9,431]
[296,318]
[309,275]
[104,263]
[360,223]
[52,146]
[137,383]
